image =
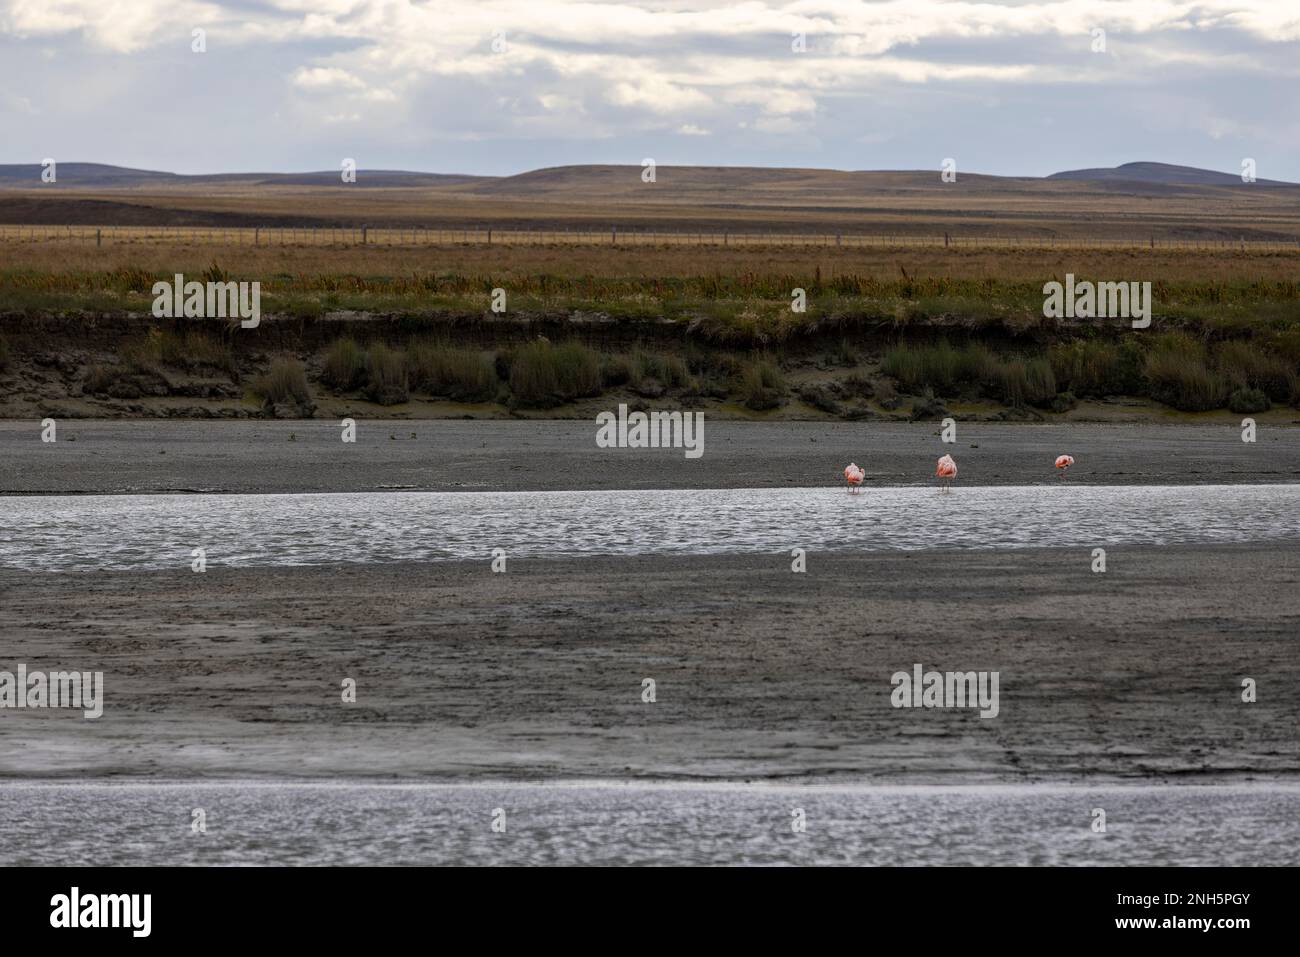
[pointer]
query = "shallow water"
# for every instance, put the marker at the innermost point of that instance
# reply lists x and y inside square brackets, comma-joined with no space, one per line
[118,824]
[157,531]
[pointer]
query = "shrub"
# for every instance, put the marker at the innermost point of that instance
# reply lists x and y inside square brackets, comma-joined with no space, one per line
[463,375]
[887,395]
[927,407]
[345,365]
[386,381]
[819,397]
[1064,402]
[545,375]
[1249,400]
[284,381]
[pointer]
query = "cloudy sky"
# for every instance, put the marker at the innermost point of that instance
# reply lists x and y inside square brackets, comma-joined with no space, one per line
[501,86]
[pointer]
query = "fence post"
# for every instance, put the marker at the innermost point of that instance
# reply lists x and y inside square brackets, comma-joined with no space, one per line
[365,235]
[99,237]
[945,240]
[257,236]
[613,235]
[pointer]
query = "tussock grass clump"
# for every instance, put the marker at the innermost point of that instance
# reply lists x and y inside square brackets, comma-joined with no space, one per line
[1088,367]
[98,379]
[847,354]
[940,367]
[1287,345]
[762,385]
[462,375]
[905,364]
[284,381]
[615,370]
[1177,374]
[859,386]
[1040,382]
[545,375]
[192,350]
[646,372]
[1020,382]
[386,379]
[1247,367]
[197,349]
[345,365]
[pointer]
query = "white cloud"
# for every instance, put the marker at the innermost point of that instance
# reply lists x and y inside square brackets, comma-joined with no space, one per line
[581,69]
[326,78]
[657,94]
[120,26]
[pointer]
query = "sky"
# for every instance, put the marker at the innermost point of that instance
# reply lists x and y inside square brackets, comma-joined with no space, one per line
[502,86]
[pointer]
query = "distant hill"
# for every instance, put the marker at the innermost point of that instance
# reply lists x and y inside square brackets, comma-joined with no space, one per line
[723,187]
[103,176]
[1142,199]
[1162,174]
[711,183]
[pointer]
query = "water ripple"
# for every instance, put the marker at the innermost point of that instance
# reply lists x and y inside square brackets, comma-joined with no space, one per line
[157,531]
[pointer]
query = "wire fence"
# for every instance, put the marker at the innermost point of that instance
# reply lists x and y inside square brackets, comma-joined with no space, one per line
[475,236]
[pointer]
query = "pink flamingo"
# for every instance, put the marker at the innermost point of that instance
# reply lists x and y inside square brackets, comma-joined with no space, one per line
[946,469]
[1063,462]
[854,476]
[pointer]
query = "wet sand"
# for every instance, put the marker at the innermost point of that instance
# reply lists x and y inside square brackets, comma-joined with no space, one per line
[308,456]
[760,673]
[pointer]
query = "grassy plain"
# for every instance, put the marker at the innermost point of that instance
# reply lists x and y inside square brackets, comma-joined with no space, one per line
[895,329]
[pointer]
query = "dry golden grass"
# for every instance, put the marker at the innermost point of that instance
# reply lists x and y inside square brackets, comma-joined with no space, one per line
[603,261]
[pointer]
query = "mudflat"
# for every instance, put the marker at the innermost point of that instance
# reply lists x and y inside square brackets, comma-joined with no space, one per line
[759,672]
[92,456]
